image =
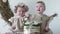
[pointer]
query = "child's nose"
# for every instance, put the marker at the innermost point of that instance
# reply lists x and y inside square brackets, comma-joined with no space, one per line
[22,12]
[38,9]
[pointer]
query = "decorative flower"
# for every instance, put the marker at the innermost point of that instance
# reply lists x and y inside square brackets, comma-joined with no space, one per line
[26,19]
[35,23]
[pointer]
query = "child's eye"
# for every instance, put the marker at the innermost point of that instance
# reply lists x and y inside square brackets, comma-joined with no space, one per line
[41,6]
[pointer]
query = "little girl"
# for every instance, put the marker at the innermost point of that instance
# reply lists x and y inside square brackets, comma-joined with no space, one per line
[17,19]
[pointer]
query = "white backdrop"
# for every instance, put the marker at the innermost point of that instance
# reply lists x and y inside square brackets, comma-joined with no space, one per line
[52,6]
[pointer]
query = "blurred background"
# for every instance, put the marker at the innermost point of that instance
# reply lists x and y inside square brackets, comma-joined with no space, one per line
[52,6]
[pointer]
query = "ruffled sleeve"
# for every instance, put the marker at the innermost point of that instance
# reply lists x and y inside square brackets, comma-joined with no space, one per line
[11,19]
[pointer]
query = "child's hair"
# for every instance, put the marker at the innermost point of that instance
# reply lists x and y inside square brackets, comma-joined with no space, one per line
[22,5]
[42,3]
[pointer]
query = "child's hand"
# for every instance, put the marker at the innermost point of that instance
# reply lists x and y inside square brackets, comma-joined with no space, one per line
[13,27]
[46,29]
[8,33]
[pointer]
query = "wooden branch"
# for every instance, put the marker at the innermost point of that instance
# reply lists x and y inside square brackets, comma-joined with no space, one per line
[6,11]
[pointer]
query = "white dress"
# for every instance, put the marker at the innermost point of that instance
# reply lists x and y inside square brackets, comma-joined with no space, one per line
[17,21]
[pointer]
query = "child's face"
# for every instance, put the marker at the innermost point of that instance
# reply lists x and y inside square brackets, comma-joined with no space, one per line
[21,11]
[40,8]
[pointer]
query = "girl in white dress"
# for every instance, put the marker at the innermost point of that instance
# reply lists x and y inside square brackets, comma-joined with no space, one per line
[17,19]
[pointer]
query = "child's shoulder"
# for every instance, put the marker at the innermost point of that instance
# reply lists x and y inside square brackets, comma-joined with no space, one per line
[14,17]
[29,15]
[45,15]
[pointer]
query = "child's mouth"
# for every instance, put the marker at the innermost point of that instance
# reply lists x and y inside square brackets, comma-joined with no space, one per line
[38,10]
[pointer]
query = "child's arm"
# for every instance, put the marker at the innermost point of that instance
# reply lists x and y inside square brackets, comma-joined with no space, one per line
[46,29]
[47,24]
[12,22]
[13,26]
